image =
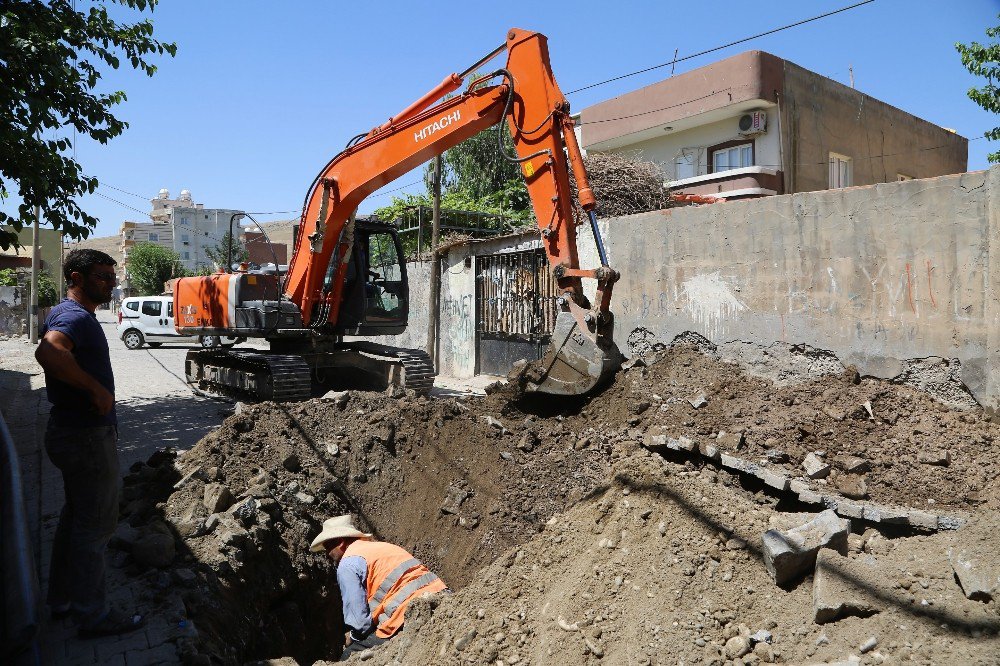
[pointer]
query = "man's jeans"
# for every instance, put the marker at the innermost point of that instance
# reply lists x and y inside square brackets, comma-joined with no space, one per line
[88,460]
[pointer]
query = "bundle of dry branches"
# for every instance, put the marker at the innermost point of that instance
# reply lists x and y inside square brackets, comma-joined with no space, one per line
[623,185]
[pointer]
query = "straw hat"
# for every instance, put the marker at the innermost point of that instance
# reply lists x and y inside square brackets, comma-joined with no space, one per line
[337,528]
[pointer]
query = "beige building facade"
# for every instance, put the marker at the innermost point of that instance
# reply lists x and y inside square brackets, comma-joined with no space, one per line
[756,125]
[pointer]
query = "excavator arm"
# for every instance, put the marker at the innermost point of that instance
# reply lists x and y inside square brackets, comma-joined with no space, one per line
[581,352]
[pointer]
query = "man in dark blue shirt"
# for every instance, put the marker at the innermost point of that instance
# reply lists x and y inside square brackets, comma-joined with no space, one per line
[81,440]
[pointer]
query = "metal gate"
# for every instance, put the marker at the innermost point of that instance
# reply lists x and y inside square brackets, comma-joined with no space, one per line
[515,309]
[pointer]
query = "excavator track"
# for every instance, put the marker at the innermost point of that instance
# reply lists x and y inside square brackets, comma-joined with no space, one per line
[246,374]
[289,377]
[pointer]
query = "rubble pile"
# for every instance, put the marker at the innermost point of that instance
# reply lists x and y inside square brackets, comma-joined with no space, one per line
[568,539]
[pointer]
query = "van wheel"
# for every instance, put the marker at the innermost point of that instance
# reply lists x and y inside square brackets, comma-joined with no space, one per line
[209,341]
[154,344]
[133,339]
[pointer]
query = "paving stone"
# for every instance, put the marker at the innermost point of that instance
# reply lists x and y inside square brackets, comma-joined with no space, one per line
[805,493]
[843,587]
[791,554]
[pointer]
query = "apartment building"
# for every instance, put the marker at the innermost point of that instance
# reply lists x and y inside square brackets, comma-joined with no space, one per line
[180,224]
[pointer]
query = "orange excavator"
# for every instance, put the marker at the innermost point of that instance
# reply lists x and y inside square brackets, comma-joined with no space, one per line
[347,276]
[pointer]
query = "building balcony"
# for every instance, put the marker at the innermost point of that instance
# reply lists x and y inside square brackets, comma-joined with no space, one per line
[744,183]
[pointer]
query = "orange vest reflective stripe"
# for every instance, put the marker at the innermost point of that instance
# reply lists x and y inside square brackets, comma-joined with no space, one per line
[393,579]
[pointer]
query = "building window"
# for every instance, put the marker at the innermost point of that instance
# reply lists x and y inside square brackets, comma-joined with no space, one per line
[731,155]
[186,256]
[686,164]
[841,171]
[154,237]
[185,222]
[185,238]
[903,176]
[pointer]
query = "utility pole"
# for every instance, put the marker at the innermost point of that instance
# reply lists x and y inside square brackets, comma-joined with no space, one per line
[850,70]
[435,286]
[33,307]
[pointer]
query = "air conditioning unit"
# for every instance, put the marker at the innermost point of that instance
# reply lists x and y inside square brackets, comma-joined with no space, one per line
[753,123]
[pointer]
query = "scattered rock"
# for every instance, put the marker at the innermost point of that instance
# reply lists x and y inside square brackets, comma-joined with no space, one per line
[776,456]
[868,645]
[852,485]
[453,500]
[737,646]
[852,464]
[154,550]
[815,467]
[292,463]
[217,498]
[792,553]
[939,458]
[698,402]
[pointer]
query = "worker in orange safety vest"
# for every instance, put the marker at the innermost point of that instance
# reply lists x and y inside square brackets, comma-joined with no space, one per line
[377,582]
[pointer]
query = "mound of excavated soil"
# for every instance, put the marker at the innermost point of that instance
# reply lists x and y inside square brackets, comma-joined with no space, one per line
[566,541]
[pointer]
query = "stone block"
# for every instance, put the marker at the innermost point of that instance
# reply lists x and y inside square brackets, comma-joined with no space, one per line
[773,479]
[979,580]
[852,464]
[941,458]
[738,464]
[791,554]
[922,520]
[843,587]
[849,509]
[681,444]
[877,513]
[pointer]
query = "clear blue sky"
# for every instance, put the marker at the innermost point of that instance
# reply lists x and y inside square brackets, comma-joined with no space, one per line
[262,94]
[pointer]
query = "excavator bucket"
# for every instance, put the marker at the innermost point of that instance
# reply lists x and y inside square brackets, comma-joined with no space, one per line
[574,362]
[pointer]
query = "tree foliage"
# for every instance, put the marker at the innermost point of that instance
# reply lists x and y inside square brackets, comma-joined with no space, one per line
[51,60]
[150,265]
[984,60]
[230,246]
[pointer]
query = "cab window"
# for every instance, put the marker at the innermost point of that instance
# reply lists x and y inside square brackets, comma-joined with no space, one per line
[152,308]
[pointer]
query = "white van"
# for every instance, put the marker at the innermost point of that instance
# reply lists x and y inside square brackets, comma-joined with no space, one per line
[150,320]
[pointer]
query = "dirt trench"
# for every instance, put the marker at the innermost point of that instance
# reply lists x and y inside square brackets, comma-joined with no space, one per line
[564,540]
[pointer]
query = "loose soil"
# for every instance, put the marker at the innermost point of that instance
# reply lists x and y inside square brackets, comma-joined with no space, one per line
[563,539]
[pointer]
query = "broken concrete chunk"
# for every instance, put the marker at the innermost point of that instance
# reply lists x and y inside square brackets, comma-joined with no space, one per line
[843,587]
[339,398]
[815,467]
[494,423]
[680,444]
[939,458]
[698,402]
[923,520]
[877,513]
[773,479]
[634,362]
[217,498]
[710,451]
[792,553]
[979,581]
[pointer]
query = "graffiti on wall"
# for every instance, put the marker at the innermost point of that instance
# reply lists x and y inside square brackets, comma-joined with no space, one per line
[458,333]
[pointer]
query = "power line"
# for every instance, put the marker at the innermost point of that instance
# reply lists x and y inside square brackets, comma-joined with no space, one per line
[719,48]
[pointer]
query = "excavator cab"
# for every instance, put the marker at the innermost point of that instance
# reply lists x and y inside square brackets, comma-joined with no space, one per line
[376,291]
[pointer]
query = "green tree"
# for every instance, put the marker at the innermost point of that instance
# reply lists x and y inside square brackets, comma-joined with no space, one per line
[149,266]
[48,293]
[230,246]
[984,60]
[51,62]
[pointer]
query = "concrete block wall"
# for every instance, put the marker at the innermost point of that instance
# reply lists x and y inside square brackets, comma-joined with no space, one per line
[879,275]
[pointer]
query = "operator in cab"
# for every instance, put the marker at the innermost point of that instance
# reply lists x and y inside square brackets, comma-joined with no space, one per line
[377,582]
